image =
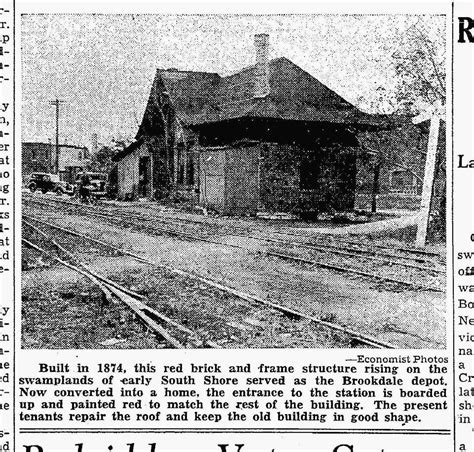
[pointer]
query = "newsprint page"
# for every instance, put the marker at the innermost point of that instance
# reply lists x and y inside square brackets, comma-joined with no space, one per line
[236,226]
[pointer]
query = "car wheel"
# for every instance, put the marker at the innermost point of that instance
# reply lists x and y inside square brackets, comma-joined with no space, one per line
[44,191]
[59,191]
[32,188]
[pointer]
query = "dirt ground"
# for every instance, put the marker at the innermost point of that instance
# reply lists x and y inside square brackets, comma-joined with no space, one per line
[406,318]
[63,310]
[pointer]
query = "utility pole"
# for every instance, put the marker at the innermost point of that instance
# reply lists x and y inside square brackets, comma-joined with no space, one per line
[57,103]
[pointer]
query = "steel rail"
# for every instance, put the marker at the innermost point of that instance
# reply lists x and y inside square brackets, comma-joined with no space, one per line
[322,236]
[362,338]
[322,247]
[286,257]
[130,298]
[326,248]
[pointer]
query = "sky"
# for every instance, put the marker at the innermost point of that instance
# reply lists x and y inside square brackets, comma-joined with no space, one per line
[102,66]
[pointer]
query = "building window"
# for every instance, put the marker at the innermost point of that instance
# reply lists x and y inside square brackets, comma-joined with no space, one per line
[190,169]
[180,163]
[403,182]
[181,173]
[399,179]
[79,155]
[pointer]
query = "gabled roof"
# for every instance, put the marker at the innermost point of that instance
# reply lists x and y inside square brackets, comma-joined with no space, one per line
[200,97]
[127,150]
[191,94]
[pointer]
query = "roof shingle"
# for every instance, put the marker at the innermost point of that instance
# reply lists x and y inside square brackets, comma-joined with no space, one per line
[202,97]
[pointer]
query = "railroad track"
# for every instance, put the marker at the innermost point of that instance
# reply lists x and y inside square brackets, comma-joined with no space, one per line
[385,258]
[174,333]
[373,251]
[414,253]
[355,336]
[129,220]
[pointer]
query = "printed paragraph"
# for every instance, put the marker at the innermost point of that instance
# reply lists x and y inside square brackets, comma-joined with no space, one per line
[365,391]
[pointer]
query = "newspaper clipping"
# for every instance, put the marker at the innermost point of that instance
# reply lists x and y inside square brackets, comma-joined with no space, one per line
[236,226]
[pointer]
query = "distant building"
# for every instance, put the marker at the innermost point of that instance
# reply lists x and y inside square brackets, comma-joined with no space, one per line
[402,164]
[36,157]
[41,157]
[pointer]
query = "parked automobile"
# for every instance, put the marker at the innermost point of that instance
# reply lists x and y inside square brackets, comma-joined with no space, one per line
[46,182]
[97,186]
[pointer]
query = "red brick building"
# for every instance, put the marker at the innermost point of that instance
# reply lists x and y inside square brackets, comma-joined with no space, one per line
[270,137]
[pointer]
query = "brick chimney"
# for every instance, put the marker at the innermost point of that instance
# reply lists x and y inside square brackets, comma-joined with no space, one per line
[262,71]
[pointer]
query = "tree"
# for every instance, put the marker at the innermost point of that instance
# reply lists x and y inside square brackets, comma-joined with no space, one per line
[422,83]
[402,147]
[419,66]
[101,161]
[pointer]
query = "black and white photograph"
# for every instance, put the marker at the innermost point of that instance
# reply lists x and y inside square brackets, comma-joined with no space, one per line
[233,181]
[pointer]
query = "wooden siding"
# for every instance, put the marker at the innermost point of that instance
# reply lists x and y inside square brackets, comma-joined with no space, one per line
[128,172]
[229,179]
[212,178]
[241,180]
[241,190]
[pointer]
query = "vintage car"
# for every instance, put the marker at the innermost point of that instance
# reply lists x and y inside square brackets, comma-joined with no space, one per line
[46,182]
[97,186]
